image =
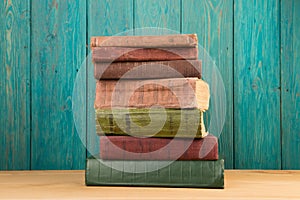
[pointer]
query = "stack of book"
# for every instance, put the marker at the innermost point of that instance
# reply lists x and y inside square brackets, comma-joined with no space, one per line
[149,107]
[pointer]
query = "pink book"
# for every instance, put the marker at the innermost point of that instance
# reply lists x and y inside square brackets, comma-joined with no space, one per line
[168,93]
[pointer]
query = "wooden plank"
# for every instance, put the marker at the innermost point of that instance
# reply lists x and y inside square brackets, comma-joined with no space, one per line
[58,49]
[157,14]
[70,185]
[257,84]
[15,84]
[118,18]
[212,21]
[290,83]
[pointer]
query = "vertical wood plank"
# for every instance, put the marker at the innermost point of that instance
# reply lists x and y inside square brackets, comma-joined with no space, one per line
[15,85]
[212,21]
[257,84]
[58,49]
[156,13]
[105,17]
[290,83]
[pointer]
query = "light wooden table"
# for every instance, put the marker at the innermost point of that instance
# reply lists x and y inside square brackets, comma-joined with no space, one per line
[70,185]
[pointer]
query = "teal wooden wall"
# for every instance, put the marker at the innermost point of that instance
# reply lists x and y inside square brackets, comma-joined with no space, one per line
[255,44]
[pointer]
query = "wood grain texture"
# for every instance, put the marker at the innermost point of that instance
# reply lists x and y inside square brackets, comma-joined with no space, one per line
[212,21]
[290,83]
[156,13]
[15,84]
[58,44]
[257,84]
[58,50]
[280,185]
[118,18]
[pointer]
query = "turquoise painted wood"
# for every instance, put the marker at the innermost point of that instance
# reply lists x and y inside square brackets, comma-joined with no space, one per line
[118,15]
[58,48]
[254,44]
[156,13]
[257,142]
[290,83]
[212,21]
[14,85]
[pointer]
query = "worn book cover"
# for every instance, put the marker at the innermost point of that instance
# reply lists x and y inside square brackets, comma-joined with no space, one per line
[151,41]
[193,174]
[134,148]
[123,54]
[148,70]
[168,93]
[154,122]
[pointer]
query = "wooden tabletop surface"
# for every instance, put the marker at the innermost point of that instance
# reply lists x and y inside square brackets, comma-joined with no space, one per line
[70,185]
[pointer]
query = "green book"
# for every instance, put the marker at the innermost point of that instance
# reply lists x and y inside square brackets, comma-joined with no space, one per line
[193,174]
[155,122]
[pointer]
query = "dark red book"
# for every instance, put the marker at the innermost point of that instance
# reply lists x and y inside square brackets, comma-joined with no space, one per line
[133,148]
[148,70]
[123,54]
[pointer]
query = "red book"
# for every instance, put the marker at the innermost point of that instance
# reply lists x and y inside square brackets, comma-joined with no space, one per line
[123,54]
[148,70]
[133,148]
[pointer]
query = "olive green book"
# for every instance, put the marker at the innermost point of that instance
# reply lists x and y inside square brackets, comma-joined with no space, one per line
[155,122]
[193,174]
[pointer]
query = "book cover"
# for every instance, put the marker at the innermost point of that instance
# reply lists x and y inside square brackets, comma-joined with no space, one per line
[133,148]
[180,40]
[148,70]
[194,174]
[155,122]
[123,54]
[168,93]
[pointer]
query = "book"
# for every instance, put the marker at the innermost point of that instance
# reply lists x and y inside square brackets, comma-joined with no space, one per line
[193,174]
[148,70]
[180,40]
[154,122]
[168,93]
[124,54]
[133,148]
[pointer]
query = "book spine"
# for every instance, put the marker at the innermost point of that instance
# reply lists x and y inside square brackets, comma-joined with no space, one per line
[186,123]
[148,70]
[123,54]
[132,148]
[168,93]
[194,174]
[183,40]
